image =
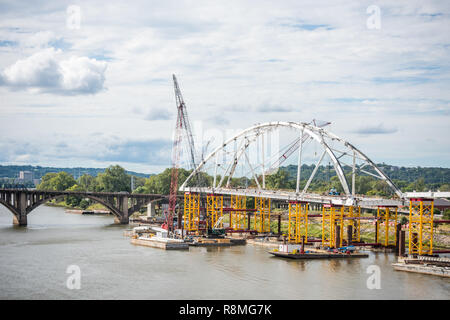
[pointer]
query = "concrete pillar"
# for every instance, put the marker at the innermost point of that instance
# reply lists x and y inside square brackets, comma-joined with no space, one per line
[21,217]
[150,210]
[279,224]
[123,208]
[349,235]
[402,243]
[397,238]
[376,231]
[338,236]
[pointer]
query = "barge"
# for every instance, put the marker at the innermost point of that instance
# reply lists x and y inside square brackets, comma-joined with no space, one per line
[161,243]
[295,251]
[426,265]
[160,240]
[318,255]
[216,242]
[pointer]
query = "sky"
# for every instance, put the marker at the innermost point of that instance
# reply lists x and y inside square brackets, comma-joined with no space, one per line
[89,83]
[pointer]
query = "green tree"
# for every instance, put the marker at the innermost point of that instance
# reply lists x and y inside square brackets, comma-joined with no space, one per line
[114,179]
[56,181]
[278,180]
[160,183]
[87,182]
[446,214]
[84,204]
[74,201]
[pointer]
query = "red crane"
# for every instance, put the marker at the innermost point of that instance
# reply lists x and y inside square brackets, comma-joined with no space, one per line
[182,127]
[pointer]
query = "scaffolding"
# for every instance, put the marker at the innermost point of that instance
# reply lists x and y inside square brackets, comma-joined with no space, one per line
[421,226]
[191,211]
[353,215]
[214,210]
[262,214]
[332,216]
[387,225]
[298,221]
[238,216]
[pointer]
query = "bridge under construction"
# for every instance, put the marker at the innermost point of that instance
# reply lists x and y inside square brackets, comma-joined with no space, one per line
[253,152]
[232,179]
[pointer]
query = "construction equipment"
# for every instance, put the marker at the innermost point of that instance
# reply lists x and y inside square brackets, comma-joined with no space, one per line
[182,128]
[216,231]
[333,192]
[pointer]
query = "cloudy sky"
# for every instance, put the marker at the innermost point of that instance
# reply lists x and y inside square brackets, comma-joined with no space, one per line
[88,83]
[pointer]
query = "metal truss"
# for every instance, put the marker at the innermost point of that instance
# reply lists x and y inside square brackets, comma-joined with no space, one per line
[298,221]
[238,215]
[191,211]
[214,210]
[421,226]
[387,225]
[341,153]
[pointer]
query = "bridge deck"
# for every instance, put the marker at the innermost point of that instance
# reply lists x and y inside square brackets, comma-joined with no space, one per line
[364,202]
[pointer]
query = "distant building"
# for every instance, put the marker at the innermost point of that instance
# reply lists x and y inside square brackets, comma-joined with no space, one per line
[26,176]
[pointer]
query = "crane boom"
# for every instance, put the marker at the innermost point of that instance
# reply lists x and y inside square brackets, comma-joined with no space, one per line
[182,127]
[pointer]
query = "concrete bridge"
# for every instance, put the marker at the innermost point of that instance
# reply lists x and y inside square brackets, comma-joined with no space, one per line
[121,204]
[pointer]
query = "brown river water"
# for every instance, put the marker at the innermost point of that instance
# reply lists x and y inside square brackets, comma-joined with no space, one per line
[34,261]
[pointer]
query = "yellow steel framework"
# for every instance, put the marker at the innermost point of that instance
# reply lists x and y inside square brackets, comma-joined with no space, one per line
[191,211]
[332,216]
[298,221]
[421,226]
[214,210]
[353,213]
[262,214]
[387,225]
[238,217]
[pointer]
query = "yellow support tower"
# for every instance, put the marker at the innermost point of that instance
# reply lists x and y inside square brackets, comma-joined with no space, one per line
[191,211]
[354,213]
[332,216]
[387,225]
[298,221]
[262,214]
[238,217]
[339,216]
[421,226]
[214,210]
[328,226]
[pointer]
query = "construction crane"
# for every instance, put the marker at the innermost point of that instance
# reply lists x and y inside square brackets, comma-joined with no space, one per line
[182,128]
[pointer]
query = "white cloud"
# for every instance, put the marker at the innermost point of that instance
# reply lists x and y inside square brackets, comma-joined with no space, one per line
[48,71]
[158,114]
[313,59]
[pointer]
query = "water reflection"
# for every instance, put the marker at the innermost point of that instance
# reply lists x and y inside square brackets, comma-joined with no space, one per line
[112,268]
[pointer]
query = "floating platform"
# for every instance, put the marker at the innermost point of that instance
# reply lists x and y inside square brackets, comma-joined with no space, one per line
[161,243]
[318,255]
[216,242]
[425,265]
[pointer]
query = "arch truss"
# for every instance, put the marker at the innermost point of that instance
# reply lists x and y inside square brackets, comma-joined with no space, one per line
[256,152]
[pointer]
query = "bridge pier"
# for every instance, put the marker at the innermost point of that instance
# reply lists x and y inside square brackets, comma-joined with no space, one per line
[123,211]
[20,220]
[20,217]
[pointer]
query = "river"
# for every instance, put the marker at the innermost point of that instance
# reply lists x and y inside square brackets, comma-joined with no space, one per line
[34,261]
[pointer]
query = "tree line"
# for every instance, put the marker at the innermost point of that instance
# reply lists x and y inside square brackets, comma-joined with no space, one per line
[116,179]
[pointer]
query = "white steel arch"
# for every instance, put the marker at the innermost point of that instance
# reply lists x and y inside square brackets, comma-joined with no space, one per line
[321,136]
